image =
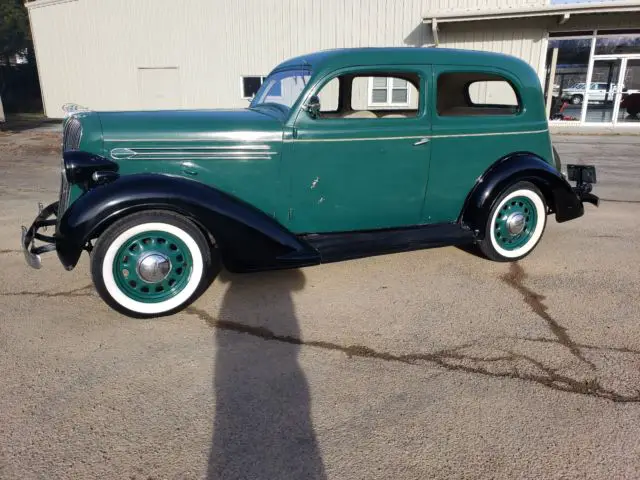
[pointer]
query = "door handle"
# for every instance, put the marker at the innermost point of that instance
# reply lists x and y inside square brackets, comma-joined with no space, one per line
[422,141]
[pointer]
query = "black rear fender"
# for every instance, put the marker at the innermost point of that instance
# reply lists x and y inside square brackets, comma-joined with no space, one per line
[248,238]
[507,171]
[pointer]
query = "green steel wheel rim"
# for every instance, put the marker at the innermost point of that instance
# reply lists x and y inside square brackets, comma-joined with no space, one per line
[127,262]
[510,211]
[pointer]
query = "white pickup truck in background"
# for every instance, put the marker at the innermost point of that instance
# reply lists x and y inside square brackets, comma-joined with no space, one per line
[597,93]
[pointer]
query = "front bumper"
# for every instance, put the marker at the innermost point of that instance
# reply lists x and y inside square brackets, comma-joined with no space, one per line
[29,236]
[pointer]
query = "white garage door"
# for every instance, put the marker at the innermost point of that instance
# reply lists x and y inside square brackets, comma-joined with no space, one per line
[159,88]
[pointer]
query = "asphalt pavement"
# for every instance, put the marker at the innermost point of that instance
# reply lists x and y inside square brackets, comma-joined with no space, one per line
[430,364]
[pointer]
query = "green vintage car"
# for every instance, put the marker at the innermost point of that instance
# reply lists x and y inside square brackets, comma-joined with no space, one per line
[341,154]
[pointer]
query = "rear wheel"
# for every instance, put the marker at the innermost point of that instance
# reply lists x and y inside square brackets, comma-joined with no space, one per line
[576,99]
[151,263]
[515,224]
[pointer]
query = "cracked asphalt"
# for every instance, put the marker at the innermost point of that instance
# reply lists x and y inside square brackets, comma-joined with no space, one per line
[430,364]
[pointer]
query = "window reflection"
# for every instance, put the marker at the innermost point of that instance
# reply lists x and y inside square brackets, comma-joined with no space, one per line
[617,44]
[613,91]
[630,105]
[569,77]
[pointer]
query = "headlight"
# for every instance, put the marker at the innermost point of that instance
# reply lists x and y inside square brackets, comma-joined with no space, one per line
[80,166]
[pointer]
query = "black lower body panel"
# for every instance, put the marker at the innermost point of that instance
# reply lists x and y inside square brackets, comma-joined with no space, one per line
[334,247]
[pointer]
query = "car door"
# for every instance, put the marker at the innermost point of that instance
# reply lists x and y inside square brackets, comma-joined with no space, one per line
[480,116]
[352,173]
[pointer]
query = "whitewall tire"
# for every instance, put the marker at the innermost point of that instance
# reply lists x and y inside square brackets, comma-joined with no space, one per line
[151,264]
[515,224]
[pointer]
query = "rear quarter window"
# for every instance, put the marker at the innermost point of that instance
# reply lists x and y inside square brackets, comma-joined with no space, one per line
[475,94]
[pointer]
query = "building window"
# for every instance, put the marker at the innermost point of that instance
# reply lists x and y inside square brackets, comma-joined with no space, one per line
[612,44]
[251,85]
[388,92]
[569,58]
[594,77]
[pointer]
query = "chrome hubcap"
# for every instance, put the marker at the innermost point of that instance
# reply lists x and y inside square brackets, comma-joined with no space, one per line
[515,223]
[154,267]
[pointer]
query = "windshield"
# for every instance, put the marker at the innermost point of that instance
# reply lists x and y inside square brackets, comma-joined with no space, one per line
[282,88]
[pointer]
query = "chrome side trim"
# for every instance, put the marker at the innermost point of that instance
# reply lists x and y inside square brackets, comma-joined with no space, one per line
[360,139]
[221,157]
[246,137]
[207,147]
[211,153]
[122,153]
[418,137]
[200,154]
[241,136]
[490,134]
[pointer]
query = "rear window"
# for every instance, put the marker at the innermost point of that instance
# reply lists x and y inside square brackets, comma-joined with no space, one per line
[475,93]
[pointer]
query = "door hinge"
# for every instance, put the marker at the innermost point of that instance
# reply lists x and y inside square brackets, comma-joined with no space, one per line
[294,132]
[290,214]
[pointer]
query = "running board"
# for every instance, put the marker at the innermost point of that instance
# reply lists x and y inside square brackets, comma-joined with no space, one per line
[334,247]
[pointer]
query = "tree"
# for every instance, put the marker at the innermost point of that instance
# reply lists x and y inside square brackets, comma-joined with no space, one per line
[15,34]
[15,38]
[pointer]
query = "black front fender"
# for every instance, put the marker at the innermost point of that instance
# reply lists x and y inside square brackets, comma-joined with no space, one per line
[247,237]
[560,197]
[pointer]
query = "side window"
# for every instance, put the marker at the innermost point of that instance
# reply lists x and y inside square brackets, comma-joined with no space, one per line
[329,96]
[371,95]
[471,93]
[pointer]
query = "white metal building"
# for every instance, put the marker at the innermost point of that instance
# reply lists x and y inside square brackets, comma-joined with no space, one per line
[156,54]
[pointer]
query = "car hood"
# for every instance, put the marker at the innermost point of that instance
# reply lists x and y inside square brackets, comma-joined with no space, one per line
[245,125]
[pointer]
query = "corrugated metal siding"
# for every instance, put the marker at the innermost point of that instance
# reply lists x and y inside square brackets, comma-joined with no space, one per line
[89,51]
[523,39]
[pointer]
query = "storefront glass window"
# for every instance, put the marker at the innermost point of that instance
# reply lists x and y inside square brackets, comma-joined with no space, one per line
[617,44]
[608,92]
[569,77]
[603,89]
[630,105]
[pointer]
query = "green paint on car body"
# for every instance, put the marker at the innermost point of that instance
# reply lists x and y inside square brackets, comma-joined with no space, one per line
[332,175]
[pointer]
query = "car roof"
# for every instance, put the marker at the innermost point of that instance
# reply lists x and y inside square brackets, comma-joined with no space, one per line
[373,56]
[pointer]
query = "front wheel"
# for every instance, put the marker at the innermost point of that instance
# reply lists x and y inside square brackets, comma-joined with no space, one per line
[151,263]
[515,224]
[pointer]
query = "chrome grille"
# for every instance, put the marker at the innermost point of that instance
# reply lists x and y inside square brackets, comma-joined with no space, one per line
[72,135]
[65,190]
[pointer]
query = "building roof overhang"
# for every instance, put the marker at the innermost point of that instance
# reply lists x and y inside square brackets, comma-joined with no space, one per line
[564,12]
